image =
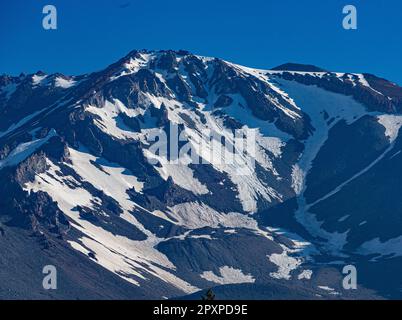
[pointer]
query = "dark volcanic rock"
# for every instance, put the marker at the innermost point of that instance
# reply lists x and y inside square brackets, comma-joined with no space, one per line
[298,67]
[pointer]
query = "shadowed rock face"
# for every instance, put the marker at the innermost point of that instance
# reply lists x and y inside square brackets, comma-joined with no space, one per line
[298,67]
[77,187]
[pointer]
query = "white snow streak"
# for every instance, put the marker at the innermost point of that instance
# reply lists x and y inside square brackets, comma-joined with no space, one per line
[228,275]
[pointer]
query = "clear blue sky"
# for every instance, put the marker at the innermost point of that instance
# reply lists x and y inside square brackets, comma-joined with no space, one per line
[258,33]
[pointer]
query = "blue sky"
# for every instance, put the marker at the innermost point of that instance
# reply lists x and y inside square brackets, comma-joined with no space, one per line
[92,34]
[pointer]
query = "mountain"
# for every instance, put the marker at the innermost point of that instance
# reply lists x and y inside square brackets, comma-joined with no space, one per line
[83,189]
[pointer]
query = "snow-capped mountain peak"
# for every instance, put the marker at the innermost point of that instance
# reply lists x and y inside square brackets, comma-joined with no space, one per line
[80,170]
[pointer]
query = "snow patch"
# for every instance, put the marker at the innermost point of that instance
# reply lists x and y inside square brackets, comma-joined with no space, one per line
[228,275]
[24,150]
[37,80]
[285,265]
[344,218]
[392,124]
[305,274]
[297,179]
[64,83]
[329,289]
[195,215]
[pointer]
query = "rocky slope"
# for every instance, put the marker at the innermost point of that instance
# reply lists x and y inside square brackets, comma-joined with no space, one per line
[82,189]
